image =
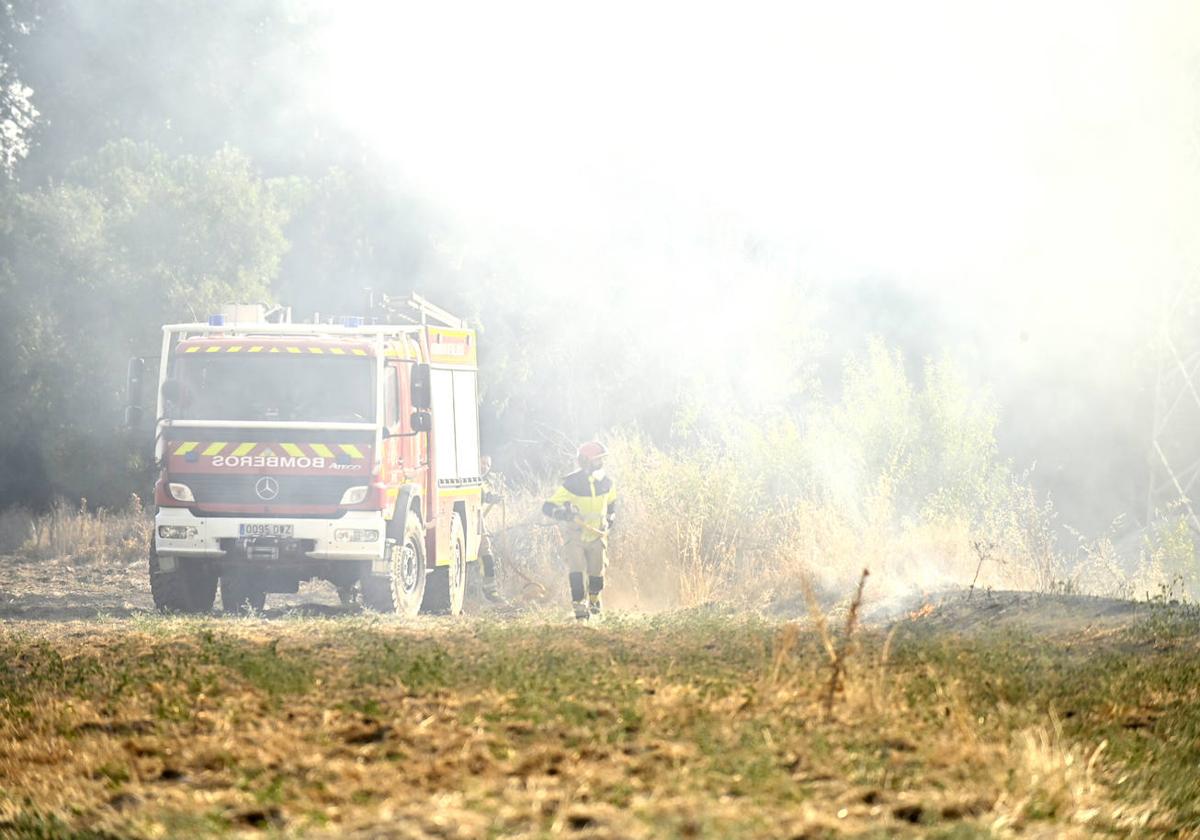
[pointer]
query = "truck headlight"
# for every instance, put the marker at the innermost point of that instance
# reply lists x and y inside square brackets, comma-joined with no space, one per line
[355,535]
[355,495]
[181,492]
[177,532]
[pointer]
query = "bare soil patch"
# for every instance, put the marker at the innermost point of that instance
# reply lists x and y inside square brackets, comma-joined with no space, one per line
[62,589]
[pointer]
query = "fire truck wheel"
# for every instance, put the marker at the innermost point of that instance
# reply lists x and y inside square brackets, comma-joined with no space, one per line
[240,590]
[447,585]
[191,588]
[403,588]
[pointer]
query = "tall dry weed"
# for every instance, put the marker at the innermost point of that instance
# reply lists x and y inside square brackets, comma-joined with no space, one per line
[1055,780]
[700,524]
[842,651]
[85,536]
[901,477]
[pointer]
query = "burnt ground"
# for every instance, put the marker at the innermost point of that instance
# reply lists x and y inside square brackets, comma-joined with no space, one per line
[57,590]
[1047,615]
[63,590]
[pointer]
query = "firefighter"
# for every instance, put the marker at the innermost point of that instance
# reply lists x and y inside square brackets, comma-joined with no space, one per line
[585,504]
[493,494]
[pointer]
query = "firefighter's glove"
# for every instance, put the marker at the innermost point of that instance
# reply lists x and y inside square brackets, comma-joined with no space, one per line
[564,514]
[610,520]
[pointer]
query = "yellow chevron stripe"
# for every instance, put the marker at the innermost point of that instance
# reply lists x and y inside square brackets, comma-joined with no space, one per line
[212,349]
[213,448]
[293,349]
[315,350]
[192,349]
[186,447]
[292,449]
[337,351]
[358,351]
[322,450]
[237,348]
[244,449]
[352,450]
[256,349]
[273,350]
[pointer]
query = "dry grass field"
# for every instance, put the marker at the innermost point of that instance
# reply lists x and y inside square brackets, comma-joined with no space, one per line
[1003,715]
[982,713]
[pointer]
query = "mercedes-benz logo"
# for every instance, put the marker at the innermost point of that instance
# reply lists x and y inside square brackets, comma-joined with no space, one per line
[266,488]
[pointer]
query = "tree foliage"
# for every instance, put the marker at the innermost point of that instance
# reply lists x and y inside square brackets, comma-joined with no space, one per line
[189,76]
[128,240]
[18,115]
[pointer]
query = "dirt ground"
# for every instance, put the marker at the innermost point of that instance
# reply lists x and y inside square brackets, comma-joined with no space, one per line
[62,590]
[1050,616]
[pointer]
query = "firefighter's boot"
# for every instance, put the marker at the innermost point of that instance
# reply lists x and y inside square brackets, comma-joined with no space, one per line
[595,585]
[578,596]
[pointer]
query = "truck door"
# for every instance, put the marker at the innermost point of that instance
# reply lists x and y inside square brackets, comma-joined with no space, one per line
[404,453]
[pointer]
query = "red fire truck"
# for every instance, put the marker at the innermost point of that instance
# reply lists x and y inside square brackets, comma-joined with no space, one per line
[289,452]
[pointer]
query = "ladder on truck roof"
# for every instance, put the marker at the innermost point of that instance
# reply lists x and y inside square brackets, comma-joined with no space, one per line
[415,309]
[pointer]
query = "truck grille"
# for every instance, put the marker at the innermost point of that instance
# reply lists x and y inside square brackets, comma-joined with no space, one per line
[293,490]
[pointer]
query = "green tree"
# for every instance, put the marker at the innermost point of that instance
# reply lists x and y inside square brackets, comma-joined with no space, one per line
[17,112]
[129,240]
[189,76]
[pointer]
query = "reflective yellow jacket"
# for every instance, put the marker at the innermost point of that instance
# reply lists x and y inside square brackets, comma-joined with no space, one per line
[594,499]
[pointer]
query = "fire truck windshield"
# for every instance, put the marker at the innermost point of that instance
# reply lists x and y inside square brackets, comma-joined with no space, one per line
[305,388]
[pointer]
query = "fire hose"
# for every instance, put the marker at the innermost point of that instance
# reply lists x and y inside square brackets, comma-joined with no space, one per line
[538,589]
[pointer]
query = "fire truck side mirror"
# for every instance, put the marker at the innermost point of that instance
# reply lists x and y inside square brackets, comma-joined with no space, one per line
[133,392]
[422,421]
[420,388]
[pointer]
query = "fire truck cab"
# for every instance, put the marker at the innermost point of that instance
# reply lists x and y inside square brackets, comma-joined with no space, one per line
[344,452]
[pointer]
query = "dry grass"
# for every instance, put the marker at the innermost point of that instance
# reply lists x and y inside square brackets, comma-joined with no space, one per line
[77,534]
[701,528]
[840,652]
[693,724]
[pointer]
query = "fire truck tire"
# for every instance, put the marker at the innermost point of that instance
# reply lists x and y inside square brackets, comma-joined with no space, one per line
[447,586]
[191,588]
[403,588]
[240,590]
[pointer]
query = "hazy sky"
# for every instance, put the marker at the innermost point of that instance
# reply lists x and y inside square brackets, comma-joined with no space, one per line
[1036,161]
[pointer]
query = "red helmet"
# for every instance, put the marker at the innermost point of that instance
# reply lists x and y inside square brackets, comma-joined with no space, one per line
[591,450]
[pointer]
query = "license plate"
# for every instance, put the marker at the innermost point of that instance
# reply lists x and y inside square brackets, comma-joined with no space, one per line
[264,529]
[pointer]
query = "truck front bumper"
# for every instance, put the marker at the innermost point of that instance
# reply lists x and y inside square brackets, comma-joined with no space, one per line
[180,533]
